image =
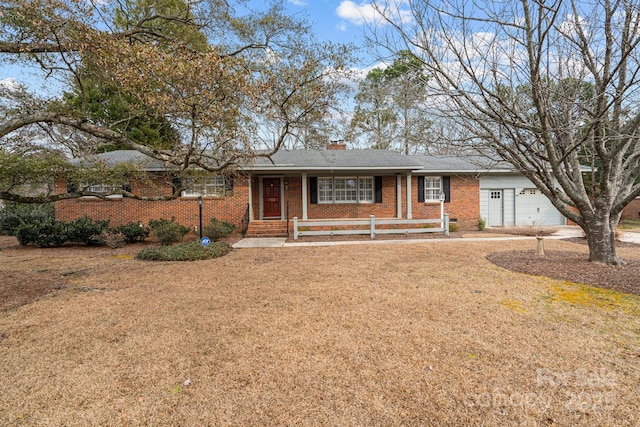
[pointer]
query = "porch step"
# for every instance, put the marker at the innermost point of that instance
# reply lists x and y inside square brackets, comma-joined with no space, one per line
[267,229]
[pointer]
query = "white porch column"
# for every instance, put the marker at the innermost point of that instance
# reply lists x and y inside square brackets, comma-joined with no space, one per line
[249,182]
[261,214]
[304,196]
[282,199]
[409,215]
[398,196]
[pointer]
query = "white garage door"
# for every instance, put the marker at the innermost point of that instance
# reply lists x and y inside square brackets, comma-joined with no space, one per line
[533,208]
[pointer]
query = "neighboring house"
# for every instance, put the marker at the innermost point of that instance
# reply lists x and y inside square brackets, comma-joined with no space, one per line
[632,210]
[329,184]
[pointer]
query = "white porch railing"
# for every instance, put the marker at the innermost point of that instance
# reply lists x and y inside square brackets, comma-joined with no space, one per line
[368,226]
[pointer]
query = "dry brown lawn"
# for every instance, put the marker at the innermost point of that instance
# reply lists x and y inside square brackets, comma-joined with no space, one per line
[416,334]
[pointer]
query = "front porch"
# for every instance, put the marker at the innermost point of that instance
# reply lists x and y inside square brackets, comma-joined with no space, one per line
[295,204]
[302,195]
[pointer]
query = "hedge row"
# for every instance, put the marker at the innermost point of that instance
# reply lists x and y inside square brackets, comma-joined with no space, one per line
[47,232]
[13,215]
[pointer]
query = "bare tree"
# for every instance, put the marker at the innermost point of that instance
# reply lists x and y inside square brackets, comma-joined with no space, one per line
[550,87]
[216,77]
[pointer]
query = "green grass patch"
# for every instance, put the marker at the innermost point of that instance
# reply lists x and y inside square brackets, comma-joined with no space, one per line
[628,224]
[191,251]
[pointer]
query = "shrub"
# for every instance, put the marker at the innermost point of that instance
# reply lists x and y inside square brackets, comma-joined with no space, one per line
[46,233]
[482,224]
[168,232]
[114,239]
[217,229]
[191,251]
[453,227]
[133,231]
[13,215]
[85,230]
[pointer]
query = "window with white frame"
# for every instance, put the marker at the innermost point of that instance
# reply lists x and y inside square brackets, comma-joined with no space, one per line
[365,190]
[432,188]
[210,186]
[345,190]
[107,190]
[102,188]
[325,190]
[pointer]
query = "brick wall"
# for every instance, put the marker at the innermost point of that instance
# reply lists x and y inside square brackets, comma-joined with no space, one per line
[632,211]
[463,207]
[185,209]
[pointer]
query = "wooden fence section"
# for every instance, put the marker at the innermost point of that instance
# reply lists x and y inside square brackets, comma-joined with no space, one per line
[368,226]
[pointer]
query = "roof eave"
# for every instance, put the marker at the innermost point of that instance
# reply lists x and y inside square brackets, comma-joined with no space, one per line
[460,171]
[327,168]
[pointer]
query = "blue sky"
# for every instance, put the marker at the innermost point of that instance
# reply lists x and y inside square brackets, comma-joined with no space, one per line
[332,20]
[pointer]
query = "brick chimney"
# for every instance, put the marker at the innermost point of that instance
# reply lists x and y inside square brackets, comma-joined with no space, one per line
[336,146]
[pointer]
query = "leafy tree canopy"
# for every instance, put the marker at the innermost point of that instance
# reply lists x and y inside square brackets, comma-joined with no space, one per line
[192,84]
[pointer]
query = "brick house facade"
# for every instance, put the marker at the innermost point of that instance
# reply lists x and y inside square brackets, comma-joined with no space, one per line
[632,210]
[307,184]
[121,210]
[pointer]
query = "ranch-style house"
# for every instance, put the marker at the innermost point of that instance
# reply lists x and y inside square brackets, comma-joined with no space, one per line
[333,184]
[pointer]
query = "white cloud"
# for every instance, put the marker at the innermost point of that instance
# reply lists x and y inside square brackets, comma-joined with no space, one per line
[359,74]
[342,26]
[358,14]
[298,2]
[366,13]
[9,84]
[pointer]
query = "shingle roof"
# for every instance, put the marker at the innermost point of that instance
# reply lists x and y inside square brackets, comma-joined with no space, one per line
[113,158]
[333,160]
[461,164]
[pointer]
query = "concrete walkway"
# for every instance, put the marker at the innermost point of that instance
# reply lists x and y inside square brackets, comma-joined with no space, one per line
[281,242]
[630,237]
[262,242]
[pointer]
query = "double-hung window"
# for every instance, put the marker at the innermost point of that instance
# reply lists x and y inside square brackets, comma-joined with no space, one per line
[345,190]
[432,188]
[210,186]
[365,190]
[325,190]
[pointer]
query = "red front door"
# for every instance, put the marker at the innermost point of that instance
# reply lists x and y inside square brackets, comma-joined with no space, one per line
[271,197]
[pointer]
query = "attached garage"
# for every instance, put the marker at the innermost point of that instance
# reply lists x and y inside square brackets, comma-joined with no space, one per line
[509,200]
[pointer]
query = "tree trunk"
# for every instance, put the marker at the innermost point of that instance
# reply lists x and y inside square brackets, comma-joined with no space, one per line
[601,236]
